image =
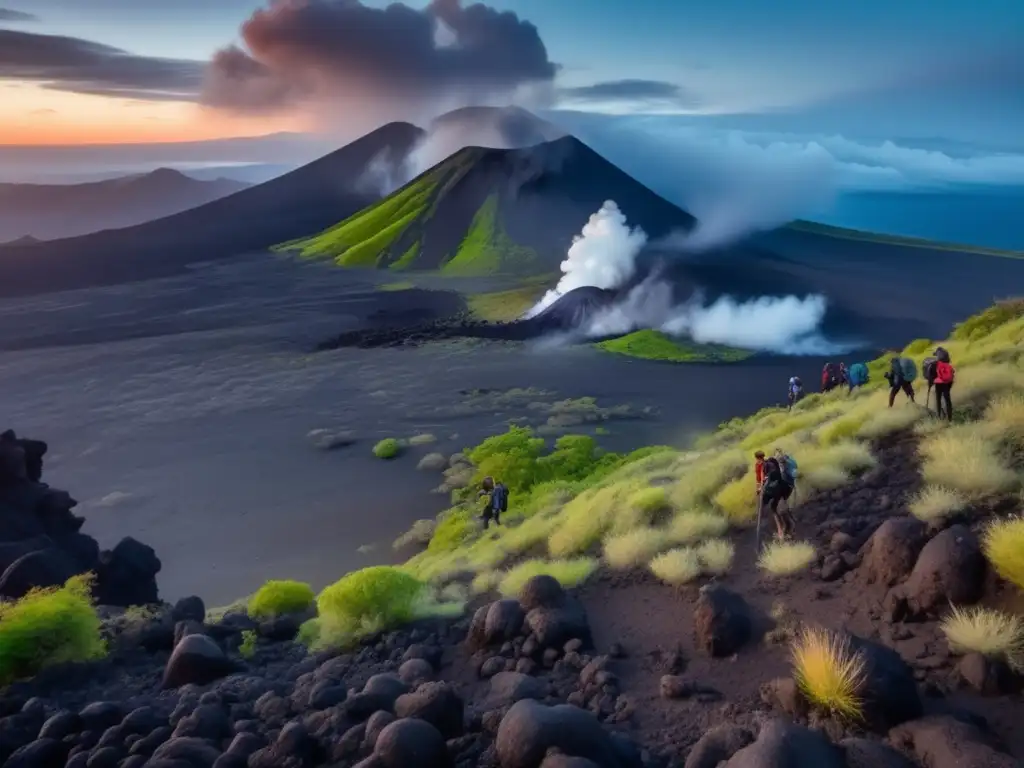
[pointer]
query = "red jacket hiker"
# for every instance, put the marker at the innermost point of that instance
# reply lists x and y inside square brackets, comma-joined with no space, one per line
[759,470]
[944,373]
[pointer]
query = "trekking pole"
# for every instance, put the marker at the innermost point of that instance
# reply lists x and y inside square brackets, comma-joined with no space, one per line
[760,504]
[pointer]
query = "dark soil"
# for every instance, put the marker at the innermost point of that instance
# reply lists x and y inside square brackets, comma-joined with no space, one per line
[625,650]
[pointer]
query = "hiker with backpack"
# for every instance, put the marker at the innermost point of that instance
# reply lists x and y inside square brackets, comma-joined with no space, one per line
[857,376]
[796,391]
[901,375]
[829,377]
[497,501]
[945,374]
[778,486]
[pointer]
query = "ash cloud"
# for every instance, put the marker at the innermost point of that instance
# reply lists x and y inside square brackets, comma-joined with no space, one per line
[356,63]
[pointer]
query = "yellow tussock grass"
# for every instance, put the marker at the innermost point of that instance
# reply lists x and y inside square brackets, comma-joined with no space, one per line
[1003,544]
[716,556]
[677,566]
[982,630]
[634,548]
[936,503]
[962,460]
[568,573]
[829,673]
[784,558]
[690,527]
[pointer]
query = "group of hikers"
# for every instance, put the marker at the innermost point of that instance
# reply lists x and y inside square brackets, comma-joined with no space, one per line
[937,369]
[775,476]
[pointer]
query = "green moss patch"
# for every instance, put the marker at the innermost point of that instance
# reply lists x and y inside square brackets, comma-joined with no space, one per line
[655,345]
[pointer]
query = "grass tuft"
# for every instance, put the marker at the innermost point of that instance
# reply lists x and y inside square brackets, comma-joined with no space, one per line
[934,503]
[963,460]
[635,547]
[276,598]
[1003,543]
[716,556]
[49,626]
[991,633]
[691,527]
[784,558]
[677,566]
[388,448]
[829,673]
[568,573]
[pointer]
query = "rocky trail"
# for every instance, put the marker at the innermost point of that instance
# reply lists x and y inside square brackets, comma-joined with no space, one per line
[623,672]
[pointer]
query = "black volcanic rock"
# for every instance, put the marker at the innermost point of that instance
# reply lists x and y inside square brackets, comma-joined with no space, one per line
[40,540]
[572,311]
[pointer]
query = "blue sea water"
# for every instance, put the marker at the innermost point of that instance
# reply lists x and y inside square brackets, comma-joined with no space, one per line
[982,216]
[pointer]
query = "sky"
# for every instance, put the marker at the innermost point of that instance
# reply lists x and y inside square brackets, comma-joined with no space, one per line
[135,71]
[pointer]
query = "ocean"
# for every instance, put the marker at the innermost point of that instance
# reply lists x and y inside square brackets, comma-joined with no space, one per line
[992,217]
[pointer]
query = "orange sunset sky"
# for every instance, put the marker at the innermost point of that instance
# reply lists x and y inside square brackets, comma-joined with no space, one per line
[32,114]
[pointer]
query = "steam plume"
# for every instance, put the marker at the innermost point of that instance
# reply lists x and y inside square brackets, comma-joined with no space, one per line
[602,256]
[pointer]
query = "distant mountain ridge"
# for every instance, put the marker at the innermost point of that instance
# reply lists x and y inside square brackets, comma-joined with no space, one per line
[53,211]
[297,203]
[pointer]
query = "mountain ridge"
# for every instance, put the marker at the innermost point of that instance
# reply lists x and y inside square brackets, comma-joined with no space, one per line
[54,211]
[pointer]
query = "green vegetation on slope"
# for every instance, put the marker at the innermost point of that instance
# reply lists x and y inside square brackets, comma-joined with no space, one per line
[510,304]
[655,345]
[361,239]
[487,249]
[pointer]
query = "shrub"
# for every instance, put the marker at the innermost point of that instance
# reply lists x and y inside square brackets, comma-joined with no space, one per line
[936,503]
[454,527]
[829,673]
[980,325]
[691,527]
[842,428]
[716,556]
[831,467]
[585,519]
[49,626]
[279,597]
[634,548]
[568,573]
[648,503]
[784,558]
[677,566]
[962,460]
[388,448]
[738,500]
[1003,542]
[1006,413]
[424,438]
[706,477]
[420,533]
[367,601]
[990,633]
[247,649]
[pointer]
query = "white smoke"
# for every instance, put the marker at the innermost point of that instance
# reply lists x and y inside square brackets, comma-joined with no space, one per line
[602,256]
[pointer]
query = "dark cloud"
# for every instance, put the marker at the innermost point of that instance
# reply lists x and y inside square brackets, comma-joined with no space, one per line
[6,14]
[81,66]
[346,55]
[630,90]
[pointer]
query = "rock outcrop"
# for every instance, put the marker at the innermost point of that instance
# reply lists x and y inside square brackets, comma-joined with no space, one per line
[41,543]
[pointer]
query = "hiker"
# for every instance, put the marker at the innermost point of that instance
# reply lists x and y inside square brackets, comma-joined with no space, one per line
[945,373]
[829,374]
[777,488]
[497,501]
[796,391]
[844,375]
[901,375]
[759,469]
[857,376]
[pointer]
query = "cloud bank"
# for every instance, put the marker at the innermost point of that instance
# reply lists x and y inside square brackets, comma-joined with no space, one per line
[344,59]
[12,16]
[80,66]
[604,256]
